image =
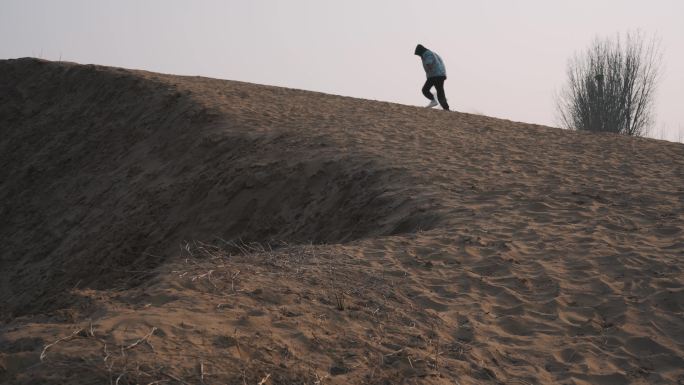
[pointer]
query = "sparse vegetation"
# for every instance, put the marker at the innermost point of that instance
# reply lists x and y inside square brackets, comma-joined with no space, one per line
[611,86]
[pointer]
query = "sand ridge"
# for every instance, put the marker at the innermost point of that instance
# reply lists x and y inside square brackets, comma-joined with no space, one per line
[325,239]
[126,165]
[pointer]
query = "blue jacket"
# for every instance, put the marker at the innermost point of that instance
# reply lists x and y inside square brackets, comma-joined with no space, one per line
[433,64]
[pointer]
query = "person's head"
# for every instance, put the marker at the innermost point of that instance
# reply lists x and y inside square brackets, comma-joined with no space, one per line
[420,50]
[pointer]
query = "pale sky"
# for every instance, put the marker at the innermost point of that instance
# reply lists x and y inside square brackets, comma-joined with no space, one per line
[504,58]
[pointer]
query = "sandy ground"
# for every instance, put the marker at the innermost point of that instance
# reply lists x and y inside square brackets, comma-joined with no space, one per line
[185,230]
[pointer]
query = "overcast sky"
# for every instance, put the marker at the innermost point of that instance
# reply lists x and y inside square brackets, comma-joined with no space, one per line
[504,58]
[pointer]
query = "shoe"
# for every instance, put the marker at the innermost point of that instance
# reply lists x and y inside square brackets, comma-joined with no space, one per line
[433,103]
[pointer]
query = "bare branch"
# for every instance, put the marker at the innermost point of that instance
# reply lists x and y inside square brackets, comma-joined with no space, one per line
[611,86]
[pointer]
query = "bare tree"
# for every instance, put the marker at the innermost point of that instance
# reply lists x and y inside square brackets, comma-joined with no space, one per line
[611,86]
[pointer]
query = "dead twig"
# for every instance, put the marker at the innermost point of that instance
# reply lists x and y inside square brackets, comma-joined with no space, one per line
[141,340]
[263,380]
[106,353]
[232,281]
[201,370]
[43,354]
[339,299]
[237,343]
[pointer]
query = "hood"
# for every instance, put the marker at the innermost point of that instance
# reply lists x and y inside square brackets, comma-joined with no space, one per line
[420,50]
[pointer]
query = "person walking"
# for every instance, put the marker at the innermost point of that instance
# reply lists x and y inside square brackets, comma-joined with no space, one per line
[436,75]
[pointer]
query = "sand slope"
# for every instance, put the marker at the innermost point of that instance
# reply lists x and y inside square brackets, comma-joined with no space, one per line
[193,230]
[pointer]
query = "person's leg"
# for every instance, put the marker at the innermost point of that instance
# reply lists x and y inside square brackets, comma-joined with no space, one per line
[426,89]
[441,97]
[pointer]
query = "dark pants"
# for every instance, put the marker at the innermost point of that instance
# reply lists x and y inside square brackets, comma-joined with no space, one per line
[438,83]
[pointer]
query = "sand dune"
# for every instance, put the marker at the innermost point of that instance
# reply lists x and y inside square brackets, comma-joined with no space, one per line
[193,230]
